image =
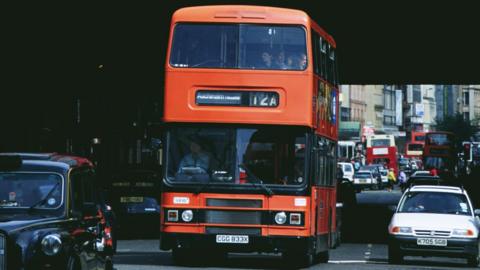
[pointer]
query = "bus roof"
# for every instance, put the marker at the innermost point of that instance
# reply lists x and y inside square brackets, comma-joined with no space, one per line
[247,14]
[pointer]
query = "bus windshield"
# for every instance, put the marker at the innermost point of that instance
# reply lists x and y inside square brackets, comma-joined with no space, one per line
[381,142]
[415,147]
[234,155]
[238,46]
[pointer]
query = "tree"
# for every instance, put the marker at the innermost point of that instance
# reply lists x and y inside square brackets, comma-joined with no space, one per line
[463,129]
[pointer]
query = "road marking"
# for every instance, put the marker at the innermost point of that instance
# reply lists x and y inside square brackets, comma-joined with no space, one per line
[355,261]
[347,261]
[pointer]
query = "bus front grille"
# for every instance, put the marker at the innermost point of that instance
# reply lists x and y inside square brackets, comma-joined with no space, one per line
[234,203]
[233,217]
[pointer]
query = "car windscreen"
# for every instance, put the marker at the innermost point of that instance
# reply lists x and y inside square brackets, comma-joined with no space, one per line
[435,202]
[273,155]
[238,46]
[23,190]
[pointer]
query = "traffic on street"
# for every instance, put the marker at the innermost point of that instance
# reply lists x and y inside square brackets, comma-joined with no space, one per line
[256,158]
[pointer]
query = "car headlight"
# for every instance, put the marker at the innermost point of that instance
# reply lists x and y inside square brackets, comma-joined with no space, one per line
[402,230]
[187,215]
[462,232]
[51,244]
[281,218]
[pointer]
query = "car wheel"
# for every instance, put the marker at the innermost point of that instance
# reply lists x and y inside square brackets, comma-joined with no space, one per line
[394,255]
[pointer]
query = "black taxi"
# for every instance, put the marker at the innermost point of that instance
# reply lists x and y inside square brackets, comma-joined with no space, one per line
[49,214]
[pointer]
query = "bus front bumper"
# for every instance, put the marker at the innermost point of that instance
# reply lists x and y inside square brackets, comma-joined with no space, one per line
[255,243]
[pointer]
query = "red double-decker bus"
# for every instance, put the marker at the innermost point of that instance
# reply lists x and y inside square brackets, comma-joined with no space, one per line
[381,149]
[439,152]
[418,137]
[250,160]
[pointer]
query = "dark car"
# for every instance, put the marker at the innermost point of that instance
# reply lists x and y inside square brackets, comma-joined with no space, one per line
[421,179]
[134,198]
[49,214]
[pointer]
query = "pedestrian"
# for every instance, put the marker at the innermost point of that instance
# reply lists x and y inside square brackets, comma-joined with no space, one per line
[391,180]
[402,180]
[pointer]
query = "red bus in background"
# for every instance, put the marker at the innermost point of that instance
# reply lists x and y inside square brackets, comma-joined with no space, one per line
[414,150]
[418,137]
[249,159]
[381,149]
[439,152]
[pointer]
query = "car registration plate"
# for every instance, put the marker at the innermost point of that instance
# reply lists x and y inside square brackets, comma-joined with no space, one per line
[233,239]
[363,180]
[131,199]
[431,242]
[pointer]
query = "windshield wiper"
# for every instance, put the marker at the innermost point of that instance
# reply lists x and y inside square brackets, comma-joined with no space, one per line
[44,200]
[257,180]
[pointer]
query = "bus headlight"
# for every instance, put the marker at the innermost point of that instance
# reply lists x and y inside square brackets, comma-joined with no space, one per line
[51,244]
[187,215]
[281,218]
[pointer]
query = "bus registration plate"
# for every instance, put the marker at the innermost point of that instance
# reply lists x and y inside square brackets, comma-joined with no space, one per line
[234,239]
[431,242]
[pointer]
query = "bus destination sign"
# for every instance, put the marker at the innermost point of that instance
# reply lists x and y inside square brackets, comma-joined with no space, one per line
[237,98]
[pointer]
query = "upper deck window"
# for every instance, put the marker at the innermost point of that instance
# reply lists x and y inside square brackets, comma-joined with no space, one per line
[439,139]
[239,46]
[381,142]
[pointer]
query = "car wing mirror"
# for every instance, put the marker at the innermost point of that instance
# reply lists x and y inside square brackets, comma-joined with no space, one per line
[477,212]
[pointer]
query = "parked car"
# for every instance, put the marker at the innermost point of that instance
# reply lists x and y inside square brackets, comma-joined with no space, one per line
[347,169]
[434,221]
[364,179]
[49,216]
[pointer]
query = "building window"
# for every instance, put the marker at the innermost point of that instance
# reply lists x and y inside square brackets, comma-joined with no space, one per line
[345,114]
[466,98]
[388,120]
[466,116]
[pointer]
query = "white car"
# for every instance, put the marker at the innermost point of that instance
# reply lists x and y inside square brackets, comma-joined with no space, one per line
[364,179]
[434,221]
[347,169]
